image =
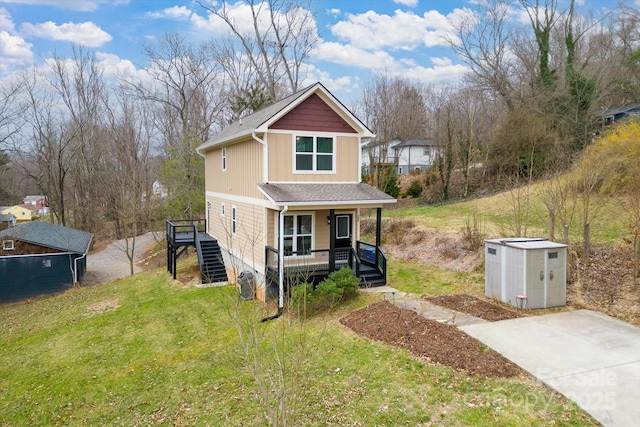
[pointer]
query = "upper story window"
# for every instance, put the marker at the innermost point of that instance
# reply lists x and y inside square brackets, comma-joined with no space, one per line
[224,158]
[314,154]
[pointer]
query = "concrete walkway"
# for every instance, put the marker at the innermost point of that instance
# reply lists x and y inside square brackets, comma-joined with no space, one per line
[424,308]
[588,357]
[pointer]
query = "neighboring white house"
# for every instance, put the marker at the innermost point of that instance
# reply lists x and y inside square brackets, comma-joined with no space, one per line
[406,156]
[415,155]
[159,190]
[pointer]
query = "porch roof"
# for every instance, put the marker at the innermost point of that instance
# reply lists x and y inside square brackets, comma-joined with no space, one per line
[329,194]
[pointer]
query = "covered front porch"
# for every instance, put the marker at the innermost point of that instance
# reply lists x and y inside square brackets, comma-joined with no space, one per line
[313,229]
[306,264]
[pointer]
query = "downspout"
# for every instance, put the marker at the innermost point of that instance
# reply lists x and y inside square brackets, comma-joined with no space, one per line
[280,266]
[75,268]
[75,261]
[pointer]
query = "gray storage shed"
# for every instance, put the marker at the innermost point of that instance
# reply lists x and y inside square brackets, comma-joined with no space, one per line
[535,268]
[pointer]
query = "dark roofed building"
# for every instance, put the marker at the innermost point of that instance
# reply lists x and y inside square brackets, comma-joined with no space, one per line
[39,258]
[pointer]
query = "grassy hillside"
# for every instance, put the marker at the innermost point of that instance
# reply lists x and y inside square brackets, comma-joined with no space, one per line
[498,214]
[149,351]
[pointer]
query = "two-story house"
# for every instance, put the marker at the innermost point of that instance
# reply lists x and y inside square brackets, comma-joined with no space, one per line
[415,155]
[284,194]
[405,156]
[21,214]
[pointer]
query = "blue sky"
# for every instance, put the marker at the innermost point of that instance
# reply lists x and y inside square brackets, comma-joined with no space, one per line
[358,38]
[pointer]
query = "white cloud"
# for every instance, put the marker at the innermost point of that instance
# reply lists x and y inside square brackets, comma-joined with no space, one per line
[82,5]
[239,13]
[442,69]
[14,51]
[114,66]
[6,23]
[335,12]
[175,12]
[86,33]
[352,56]
[402,30]
[408,3]
[345,84]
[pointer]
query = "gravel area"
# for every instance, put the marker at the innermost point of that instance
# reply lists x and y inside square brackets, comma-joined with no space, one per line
[111,263]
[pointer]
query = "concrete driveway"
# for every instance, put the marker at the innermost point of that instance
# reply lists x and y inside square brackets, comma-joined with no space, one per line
[589,357]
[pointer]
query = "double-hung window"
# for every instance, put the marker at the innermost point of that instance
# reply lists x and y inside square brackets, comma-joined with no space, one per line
[314,154]
[297,234]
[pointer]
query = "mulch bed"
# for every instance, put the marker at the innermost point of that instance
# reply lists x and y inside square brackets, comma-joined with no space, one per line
[475,307]
[424,338]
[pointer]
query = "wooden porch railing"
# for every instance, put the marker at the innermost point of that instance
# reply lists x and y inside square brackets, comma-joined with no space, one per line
[365,254]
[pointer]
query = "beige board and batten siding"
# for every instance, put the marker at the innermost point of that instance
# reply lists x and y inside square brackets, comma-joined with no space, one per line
[281,155]
[243,171]
[249,240]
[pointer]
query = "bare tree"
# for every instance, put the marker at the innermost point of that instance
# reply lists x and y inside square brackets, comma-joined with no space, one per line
[80,88]
[182,89]
[394,109]
[275,43]
[484,41]
[129,194]
[49,158]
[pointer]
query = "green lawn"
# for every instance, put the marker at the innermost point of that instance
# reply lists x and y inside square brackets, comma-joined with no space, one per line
[148,351]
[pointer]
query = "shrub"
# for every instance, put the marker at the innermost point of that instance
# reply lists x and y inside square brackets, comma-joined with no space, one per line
[340,286]
[302,295]
[415,189]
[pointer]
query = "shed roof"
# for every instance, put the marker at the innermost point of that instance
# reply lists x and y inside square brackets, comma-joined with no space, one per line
[260,120]
[527,243]
[324,194]
[50,236]
[7,217]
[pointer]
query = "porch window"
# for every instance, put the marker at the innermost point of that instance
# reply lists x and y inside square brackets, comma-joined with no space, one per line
[314,153]
[297,234]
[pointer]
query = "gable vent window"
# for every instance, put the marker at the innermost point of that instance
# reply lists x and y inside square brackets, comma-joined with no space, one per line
[314,154]
[7,245]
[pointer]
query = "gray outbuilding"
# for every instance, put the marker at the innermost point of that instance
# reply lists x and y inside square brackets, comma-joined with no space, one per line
[526,272]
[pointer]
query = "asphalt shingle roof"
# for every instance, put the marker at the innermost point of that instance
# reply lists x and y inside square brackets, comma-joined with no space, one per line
[50,235]
[315,194]
[417,143]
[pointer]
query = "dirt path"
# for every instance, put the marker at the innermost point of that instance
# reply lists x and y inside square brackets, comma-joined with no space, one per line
[111,263]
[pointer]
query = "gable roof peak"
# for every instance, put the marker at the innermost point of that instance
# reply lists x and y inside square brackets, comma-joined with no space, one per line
[259,121]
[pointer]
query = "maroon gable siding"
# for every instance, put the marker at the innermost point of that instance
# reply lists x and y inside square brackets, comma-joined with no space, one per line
[313,115]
